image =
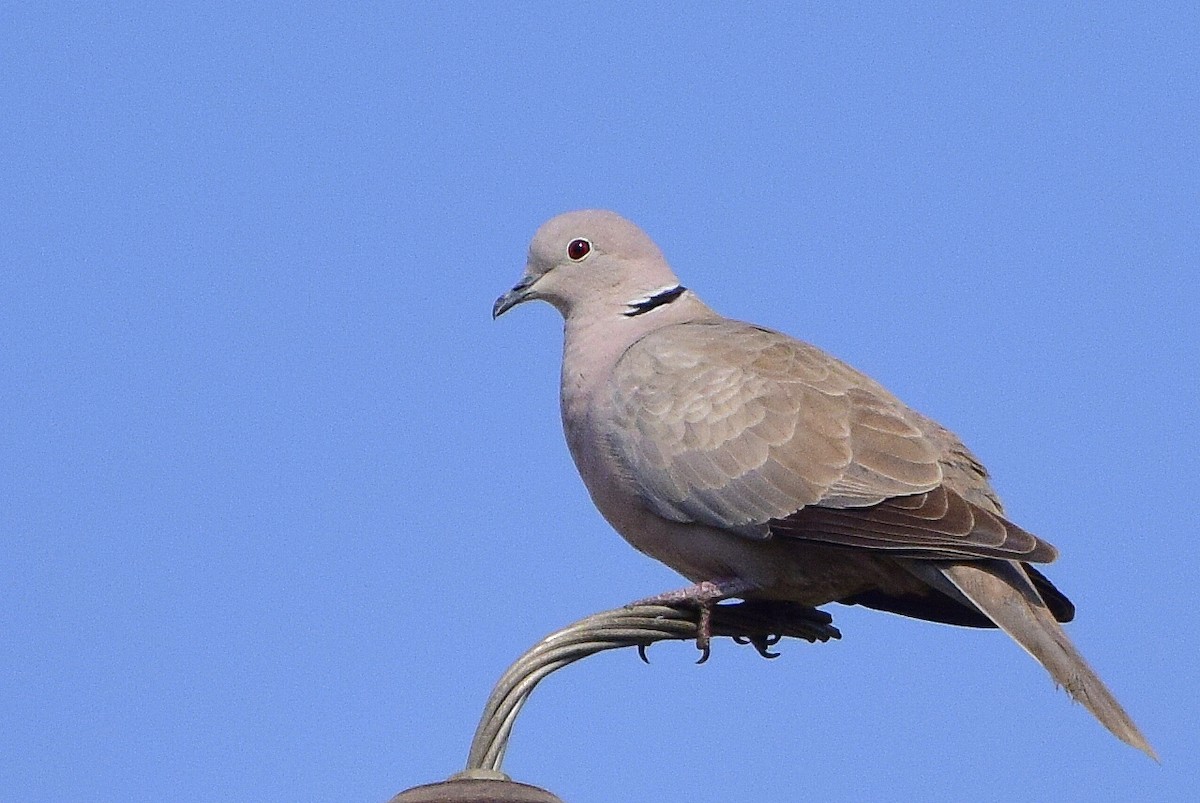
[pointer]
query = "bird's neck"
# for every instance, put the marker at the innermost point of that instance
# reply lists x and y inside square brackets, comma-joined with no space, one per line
[595,339]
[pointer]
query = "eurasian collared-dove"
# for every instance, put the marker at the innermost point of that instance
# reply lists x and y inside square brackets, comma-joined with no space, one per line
[758,466]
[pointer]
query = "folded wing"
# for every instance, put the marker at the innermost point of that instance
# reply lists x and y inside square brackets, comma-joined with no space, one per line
[746,429]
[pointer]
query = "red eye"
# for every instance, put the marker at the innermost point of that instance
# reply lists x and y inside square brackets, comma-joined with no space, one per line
[578,249]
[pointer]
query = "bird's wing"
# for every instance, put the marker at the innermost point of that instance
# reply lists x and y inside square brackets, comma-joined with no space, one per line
[749,430]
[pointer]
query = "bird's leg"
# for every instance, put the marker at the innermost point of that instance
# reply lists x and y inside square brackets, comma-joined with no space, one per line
[703,596]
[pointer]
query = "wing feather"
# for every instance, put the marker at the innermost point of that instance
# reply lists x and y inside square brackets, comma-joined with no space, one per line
[745,429]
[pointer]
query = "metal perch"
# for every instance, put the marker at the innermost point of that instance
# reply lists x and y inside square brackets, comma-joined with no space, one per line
[759,623]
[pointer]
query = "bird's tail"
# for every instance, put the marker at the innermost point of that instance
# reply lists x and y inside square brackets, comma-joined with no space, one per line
[1004,593]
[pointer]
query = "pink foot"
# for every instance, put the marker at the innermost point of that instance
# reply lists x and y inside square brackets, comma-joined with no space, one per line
[703,596]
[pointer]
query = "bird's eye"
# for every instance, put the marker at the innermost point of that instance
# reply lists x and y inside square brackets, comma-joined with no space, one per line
[578,249]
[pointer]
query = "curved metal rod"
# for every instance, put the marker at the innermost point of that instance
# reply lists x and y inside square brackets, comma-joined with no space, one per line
[760,623]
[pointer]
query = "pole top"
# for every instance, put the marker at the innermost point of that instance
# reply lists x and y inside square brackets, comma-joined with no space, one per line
[476,786]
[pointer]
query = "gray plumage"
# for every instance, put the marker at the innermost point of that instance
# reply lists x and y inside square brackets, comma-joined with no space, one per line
[742,457]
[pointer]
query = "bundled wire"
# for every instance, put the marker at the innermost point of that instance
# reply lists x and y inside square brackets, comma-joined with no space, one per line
[759,623]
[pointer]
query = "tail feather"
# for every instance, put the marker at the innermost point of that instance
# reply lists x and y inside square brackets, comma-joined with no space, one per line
[1014,605]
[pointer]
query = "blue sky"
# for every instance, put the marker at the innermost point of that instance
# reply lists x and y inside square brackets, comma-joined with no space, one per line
[281,502]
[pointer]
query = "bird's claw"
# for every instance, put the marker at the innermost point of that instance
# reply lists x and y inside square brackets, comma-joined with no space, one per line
[761,644]
[704,630]
[703,596]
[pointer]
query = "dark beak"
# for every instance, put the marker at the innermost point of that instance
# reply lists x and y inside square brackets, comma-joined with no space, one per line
[519,293]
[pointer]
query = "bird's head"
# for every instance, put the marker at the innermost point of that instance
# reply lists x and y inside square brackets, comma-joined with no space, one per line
[594,260]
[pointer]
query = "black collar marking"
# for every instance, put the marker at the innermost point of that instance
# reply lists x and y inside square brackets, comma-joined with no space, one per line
[655,301]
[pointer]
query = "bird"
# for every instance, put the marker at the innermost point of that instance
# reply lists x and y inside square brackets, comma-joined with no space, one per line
[760,467]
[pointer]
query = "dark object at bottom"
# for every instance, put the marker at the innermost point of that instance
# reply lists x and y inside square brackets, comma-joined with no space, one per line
[476,790]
